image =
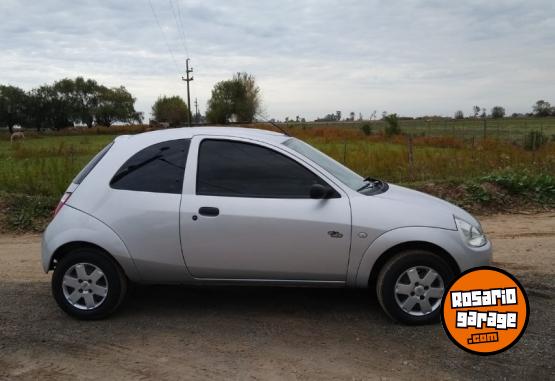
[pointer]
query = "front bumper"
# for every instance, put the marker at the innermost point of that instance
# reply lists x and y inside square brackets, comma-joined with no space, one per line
[470,257]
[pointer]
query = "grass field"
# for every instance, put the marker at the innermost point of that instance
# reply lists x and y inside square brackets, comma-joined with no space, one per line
[46,164]
[36,171]
[511,129]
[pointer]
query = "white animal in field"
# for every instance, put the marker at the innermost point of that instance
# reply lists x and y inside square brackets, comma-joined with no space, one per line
[17,135]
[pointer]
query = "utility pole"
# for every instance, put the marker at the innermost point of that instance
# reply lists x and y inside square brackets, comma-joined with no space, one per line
[196,111]
[187,79]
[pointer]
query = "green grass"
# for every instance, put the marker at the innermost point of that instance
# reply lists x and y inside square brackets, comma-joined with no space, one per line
[389,161]
[495,174]
[511,129]
[46,165]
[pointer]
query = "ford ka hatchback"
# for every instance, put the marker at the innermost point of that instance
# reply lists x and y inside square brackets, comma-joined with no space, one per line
[217,205]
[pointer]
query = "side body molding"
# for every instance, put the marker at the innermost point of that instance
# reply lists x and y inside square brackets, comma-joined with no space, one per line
[73,225]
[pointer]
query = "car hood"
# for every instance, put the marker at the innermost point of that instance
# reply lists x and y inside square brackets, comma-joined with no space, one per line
[402,207]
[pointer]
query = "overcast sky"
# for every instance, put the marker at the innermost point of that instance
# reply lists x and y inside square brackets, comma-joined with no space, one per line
[310,58]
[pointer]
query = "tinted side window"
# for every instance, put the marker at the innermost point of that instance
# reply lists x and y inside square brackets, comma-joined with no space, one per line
[89,167]
[228,168]
[158,168]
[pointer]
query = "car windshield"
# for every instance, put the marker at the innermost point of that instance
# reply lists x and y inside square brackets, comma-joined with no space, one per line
[344,174]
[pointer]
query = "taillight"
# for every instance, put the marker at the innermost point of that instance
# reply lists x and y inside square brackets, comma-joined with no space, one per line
[62,202]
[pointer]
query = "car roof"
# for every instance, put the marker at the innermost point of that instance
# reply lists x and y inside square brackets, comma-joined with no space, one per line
[189,132]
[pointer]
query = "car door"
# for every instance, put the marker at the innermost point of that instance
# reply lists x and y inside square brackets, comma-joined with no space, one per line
[246,214]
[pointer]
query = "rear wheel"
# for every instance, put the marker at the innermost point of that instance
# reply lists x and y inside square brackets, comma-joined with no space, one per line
[410,286]
[87,284]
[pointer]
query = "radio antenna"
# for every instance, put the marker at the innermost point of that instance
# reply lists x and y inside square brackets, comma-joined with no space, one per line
[283,130]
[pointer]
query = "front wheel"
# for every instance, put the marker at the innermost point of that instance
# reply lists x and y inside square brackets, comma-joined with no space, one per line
[87,284]
[410,286]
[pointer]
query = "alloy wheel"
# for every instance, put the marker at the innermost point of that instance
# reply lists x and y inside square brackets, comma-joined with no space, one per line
[85,286]
[418,290]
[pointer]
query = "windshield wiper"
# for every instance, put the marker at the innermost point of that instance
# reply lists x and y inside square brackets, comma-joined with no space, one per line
[371,182]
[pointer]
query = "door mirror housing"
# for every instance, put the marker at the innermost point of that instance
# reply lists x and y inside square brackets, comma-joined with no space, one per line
[319,191]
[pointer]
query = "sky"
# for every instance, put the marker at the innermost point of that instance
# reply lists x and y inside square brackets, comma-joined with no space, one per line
[310,58]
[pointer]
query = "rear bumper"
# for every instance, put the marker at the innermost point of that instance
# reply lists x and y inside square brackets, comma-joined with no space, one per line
[46,253]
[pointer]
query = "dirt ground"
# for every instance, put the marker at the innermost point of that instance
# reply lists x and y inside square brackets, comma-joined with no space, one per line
[265,333]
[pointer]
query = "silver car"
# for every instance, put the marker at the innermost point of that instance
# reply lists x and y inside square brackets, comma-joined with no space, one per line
[215,205]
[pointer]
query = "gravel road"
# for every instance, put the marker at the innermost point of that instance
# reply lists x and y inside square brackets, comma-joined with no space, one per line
[265,333]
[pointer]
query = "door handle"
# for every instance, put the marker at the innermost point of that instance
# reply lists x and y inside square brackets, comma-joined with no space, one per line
[335,234]
[209,211]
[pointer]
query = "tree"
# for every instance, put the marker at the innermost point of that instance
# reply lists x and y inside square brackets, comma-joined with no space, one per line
[66,102]
[330,117]
[497,112]
[476,111]
[542,108]
[116,105]
[237,99]
[352,116]
[392,127]
[86,98]
[172,110]
[38,110]
[459,114]
[47,109]
[13,105]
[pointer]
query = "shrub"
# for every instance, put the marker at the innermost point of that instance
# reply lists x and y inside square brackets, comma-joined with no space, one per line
[540,187]
[26,213]
[366,129]
[392,125]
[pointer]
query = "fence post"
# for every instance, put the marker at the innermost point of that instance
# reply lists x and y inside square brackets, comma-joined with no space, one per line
[345,152]
[71,155]
[410,157]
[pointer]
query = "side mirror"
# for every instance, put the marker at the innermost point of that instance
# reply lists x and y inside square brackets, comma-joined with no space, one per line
[319,191]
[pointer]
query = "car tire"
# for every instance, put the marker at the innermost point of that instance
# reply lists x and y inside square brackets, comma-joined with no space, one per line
[410,286]
[87,284]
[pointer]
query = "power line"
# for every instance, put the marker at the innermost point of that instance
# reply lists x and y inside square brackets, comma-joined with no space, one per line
[163,34]
[179,12]
[179,26]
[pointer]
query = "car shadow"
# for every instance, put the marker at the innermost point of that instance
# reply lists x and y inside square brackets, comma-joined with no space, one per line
[251,300]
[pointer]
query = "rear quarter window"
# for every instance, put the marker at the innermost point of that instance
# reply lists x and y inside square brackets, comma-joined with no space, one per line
[158,168]
[89,167]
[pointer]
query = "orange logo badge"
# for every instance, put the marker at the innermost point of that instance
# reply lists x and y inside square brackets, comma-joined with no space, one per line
[485,311]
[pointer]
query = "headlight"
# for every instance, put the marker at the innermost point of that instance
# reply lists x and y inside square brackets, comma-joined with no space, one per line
[473,235]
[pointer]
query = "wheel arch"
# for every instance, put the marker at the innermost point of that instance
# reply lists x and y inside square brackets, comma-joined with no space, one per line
[65,249]
[410,245]
[442,242]
[72,228]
